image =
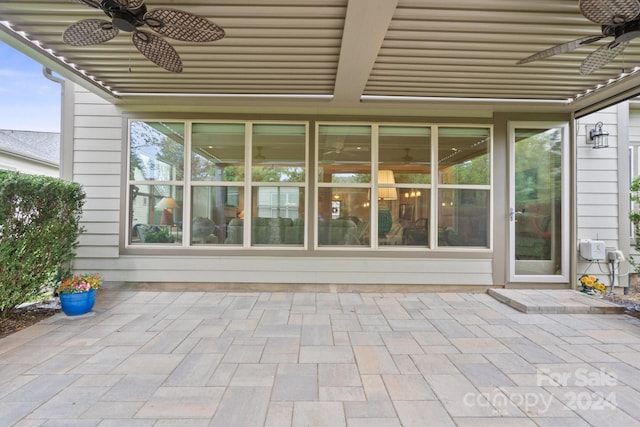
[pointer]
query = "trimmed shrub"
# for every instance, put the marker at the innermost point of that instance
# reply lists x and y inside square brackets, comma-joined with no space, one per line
[39,229]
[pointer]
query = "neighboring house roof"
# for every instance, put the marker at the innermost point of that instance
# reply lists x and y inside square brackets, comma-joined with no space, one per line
[39,146]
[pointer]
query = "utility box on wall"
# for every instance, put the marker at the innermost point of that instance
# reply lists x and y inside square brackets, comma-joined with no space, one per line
[592,250]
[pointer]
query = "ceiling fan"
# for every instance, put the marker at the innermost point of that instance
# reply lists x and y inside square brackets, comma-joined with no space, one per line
[618,19]
[338,150]
[407,158]
[258,155]
[130,16]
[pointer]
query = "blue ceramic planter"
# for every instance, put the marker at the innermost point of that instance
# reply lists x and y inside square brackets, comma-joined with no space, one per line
[77,304]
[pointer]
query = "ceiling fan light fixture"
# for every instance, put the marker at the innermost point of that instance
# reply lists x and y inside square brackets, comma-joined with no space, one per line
[131,4]
[123,22]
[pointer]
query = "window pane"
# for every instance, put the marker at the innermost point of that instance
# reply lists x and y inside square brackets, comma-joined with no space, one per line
[157,151]
[463,217]
[278,217]
[278,153]
[344,216]
[405,220]
[406,150]
[212,210]
[463,156]
[344,154]
[156,213]
[537,178]
[217,152]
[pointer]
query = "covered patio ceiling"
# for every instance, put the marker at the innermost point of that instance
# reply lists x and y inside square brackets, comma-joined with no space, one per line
[350,56]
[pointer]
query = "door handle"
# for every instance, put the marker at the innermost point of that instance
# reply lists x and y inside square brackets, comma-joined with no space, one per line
[513,214]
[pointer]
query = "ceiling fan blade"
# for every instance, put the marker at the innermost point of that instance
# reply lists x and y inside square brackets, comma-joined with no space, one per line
[561,48]
[610,12]
[90,3]
[601,57]
[88,32]
[131,4]
[158,51]
[181,25]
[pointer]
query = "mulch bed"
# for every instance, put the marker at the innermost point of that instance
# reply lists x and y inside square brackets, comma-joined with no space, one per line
[24,317]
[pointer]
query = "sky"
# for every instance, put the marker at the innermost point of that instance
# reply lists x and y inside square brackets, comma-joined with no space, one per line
[28,100]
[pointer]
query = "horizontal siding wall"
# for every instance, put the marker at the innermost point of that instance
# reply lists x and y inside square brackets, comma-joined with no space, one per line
[343,270]
[598,188]
[97,154]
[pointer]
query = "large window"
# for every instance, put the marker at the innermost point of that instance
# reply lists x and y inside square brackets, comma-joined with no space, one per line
[223,198]
[245,184]
[395,210]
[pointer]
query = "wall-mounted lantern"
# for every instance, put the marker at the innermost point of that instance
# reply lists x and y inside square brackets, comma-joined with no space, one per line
[598,137]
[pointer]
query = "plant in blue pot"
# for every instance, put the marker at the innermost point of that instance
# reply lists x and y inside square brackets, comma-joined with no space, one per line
[78,293]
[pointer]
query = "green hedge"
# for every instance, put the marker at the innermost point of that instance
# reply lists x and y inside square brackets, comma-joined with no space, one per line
[634,215]
[39,229]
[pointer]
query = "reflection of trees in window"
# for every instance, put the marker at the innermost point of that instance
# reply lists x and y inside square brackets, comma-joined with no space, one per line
[346,178]
[202,168]
[542,148]
[157,151]
[467,163]
[538,193]
[233,173]
[474,171]
[464,156]
[526,186]
[276,174]
[412,178]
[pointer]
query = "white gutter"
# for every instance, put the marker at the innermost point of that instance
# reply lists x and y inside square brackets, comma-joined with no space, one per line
[49,75]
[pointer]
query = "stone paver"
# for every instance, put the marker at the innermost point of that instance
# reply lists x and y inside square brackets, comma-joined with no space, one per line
[283,359]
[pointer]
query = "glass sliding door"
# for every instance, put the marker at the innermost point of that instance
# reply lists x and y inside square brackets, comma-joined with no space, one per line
[538,208]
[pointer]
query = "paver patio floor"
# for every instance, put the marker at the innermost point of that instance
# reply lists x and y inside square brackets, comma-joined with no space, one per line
[320,359]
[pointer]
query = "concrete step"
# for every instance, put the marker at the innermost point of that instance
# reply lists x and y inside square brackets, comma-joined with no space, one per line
[554,301]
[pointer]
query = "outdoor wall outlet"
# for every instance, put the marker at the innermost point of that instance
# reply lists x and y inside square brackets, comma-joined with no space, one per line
[615,255]
[593,250]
